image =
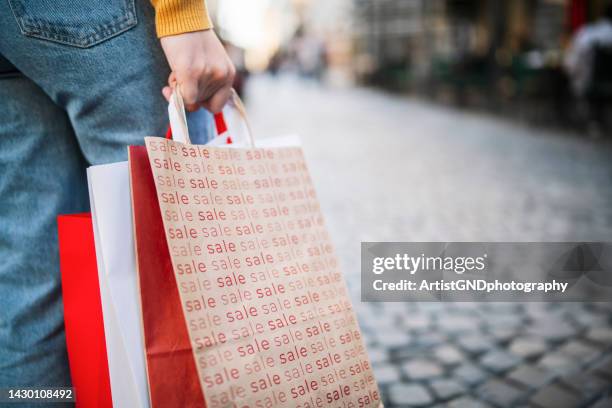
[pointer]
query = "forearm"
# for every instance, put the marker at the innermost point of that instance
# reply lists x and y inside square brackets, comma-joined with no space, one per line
[196,57]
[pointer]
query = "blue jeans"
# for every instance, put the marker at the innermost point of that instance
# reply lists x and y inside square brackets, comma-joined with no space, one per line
[79,81]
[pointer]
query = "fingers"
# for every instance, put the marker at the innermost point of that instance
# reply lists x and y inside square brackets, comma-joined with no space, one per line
[189,91]
[216,103]
[220,89]
[209,88]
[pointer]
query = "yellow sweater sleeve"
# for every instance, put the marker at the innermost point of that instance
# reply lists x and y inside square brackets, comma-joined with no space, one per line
[180,16]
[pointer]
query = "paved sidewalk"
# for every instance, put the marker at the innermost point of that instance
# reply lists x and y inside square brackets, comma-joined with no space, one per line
[394,169]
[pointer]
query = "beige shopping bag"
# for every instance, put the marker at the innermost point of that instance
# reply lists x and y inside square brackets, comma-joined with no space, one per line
[265,304]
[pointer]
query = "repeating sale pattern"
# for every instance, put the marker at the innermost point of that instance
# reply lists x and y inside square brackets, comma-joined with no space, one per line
[266,307]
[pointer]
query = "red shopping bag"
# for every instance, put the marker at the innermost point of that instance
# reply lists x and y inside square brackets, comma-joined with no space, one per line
[170,363]
[83,312]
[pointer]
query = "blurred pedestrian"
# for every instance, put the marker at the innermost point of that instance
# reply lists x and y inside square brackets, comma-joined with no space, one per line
[309,54]
[584,59]
[79,81]
[580,56]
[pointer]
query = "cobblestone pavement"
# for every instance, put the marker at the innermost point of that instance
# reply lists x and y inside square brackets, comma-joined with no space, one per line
[395,169]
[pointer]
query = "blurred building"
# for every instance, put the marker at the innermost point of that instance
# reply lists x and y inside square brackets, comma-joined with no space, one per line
[412,33]
[500,54]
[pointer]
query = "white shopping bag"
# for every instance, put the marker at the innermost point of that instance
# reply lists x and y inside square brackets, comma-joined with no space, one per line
[111,213]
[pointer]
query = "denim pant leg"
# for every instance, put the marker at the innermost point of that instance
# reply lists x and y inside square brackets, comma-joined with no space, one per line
[73,107]
[41,175]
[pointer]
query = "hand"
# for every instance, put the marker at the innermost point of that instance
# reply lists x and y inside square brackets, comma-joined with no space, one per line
[201,67]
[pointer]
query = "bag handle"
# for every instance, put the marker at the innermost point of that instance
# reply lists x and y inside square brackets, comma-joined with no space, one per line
[179,130]
[178,121]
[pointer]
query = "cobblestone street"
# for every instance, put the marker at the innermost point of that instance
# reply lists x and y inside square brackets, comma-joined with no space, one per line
[390,168]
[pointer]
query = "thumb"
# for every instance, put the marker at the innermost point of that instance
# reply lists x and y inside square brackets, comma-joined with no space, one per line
[167,92]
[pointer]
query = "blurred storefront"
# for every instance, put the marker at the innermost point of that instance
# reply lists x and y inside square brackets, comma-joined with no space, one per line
[501,55]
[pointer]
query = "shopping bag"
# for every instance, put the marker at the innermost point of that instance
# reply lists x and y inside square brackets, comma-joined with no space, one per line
[170,365]
[109,194]
[85,338]
[265,306]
